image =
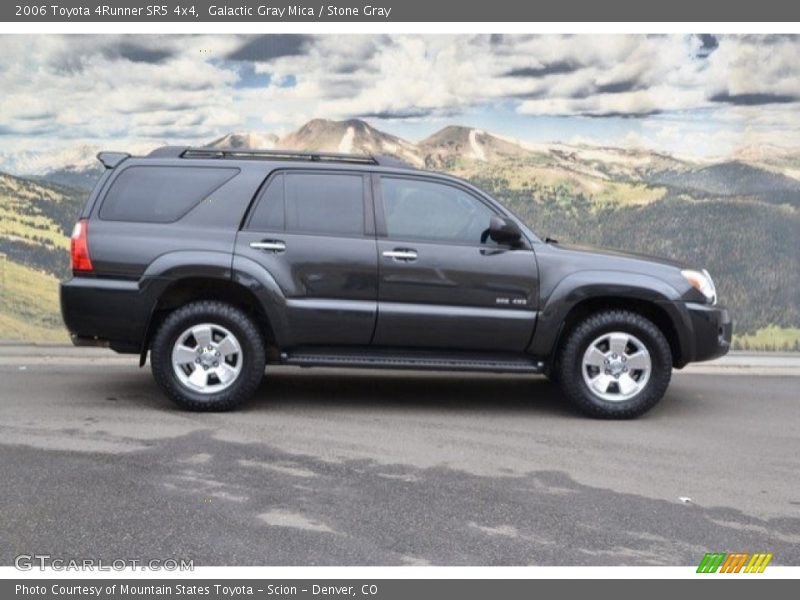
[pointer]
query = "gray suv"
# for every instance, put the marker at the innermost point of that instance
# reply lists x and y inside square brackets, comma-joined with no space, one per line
[219,262]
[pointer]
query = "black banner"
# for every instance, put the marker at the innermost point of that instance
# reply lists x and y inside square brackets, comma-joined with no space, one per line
[193,11]
[389,589]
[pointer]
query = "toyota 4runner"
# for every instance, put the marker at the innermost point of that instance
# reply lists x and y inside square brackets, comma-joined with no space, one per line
[218,262]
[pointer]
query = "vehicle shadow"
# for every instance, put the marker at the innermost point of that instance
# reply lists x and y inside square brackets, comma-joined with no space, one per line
[394,390]
[288,388]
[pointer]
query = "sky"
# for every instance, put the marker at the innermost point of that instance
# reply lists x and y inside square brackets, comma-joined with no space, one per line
[690,95]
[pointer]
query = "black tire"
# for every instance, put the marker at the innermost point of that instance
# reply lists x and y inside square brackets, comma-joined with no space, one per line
[570,364]
[235,321]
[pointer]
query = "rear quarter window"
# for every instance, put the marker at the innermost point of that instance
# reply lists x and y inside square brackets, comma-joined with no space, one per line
[147,194]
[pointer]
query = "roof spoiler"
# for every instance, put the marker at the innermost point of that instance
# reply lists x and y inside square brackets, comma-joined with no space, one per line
[112,159]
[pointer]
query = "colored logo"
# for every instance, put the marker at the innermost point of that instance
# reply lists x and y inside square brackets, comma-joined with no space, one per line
[736,562]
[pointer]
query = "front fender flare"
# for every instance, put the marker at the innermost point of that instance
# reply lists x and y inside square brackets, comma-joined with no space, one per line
[617,285]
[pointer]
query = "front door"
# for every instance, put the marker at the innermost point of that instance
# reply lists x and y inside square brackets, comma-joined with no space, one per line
[313,232]
[439,284]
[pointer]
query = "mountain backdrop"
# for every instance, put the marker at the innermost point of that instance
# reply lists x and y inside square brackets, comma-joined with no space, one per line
[738,215]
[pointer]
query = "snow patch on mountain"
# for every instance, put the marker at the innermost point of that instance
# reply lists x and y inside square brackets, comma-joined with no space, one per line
[346,145]
[477,151]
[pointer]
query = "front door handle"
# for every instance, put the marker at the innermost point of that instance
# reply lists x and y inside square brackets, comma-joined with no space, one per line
[401,254]
[269,245]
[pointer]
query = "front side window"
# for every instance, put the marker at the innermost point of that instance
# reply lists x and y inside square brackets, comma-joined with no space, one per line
[425,210]
[160,194]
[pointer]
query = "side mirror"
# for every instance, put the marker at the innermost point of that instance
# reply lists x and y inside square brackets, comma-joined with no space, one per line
[504,231]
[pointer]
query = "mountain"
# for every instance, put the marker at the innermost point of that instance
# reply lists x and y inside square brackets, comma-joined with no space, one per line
[246,140]
[738,216]
[459,142]
[74,167]
[772,158]
[39,162]
[733,178]
[79,177]
[634,164]
[352,136]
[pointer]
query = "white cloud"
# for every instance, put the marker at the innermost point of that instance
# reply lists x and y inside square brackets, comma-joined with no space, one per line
[186,87]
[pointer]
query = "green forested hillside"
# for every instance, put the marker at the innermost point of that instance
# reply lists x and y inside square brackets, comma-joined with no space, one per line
[35,222]
[36,219]
[733,179]
[741,223]
[749,247]
[29,305]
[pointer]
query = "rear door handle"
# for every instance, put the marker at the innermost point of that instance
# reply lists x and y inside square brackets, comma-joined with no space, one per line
[401,254]
[269,245]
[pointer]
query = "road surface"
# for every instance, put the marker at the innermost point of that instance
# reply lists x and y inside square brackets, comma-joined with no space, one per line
[368,467]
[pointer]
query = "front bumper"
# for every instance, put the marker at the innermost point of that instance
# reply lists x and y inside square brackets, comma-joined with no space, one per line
[712,329]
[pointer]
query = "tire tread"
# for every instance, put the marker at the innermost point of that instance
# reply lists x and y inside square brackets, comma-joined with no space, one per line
[570,357]
[252,371]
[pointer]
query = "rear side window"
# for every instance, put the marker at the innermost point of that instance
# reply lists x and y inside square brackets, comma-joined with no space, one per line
[270,210]
[160,194]
[327,203]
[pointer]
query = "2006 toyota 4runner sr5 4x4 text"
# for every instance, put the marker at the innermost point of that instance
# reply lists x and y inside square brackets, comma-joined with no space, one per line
[218,262]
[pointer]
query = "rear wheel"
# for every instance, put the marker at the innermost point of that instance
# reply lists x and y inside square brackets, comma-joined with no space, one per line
[615,364]
[208,356]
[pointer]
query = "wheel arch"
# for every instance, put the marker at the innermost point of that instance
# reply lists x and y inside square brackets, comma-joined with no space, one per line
[650,310]
[180,292]
[587,293]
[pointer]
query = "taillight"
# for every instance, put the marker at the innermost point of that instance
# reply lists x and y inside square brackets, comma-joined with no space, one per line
[79,247]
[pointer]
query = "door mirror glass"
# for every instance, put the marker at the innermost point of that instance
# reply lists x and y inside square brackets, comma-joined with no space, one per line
[504,231]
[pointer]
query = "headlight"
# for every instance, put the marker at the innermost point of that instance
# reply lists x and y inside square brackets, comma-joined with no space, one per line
[702,282]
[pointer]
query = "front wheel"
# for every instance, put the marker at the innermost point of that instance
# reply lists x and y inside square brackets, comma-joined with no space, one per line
[208,356]
[615,365]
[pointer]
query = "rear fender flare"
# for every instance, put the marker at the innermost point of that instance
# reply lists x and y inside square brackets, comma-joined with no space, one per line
[260,282]
[172,267]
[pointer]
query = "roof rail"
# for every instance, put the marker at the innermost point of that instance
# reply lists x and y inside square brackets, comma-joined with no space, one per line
[385,160]
[235,153]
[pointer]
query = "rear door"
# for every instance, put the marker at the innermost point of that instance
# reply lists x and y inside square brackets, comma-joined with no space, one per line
[440,285]
[313,231]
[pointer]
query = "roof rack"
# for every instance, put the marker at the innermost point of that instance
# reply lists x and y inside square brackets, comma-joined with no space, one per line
[244,154]
[234,153]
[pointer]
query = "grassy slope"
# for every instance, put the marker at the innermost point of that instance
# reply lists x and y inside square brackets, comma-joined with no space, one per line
[771,338]
[33,219]
[556,182]
[573,201]
[23,208]
[29,308]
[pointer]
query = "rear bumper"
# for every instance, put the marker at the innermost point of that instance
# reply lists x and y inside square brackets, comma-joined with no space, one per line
[104,312]
[712,330]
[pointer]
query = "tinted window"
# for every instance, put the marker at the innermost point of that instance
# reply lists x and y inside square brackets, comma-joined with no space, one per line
[269,212]
[329,203]
[160,194]
[432,211]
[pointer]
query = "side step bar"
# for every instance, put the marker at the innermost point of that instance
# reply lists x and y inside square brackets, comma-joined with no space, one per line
[407,359]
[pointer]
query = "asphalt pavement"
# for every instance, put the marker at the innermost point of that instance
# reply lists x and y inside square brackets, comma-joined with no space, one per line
[332,467]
